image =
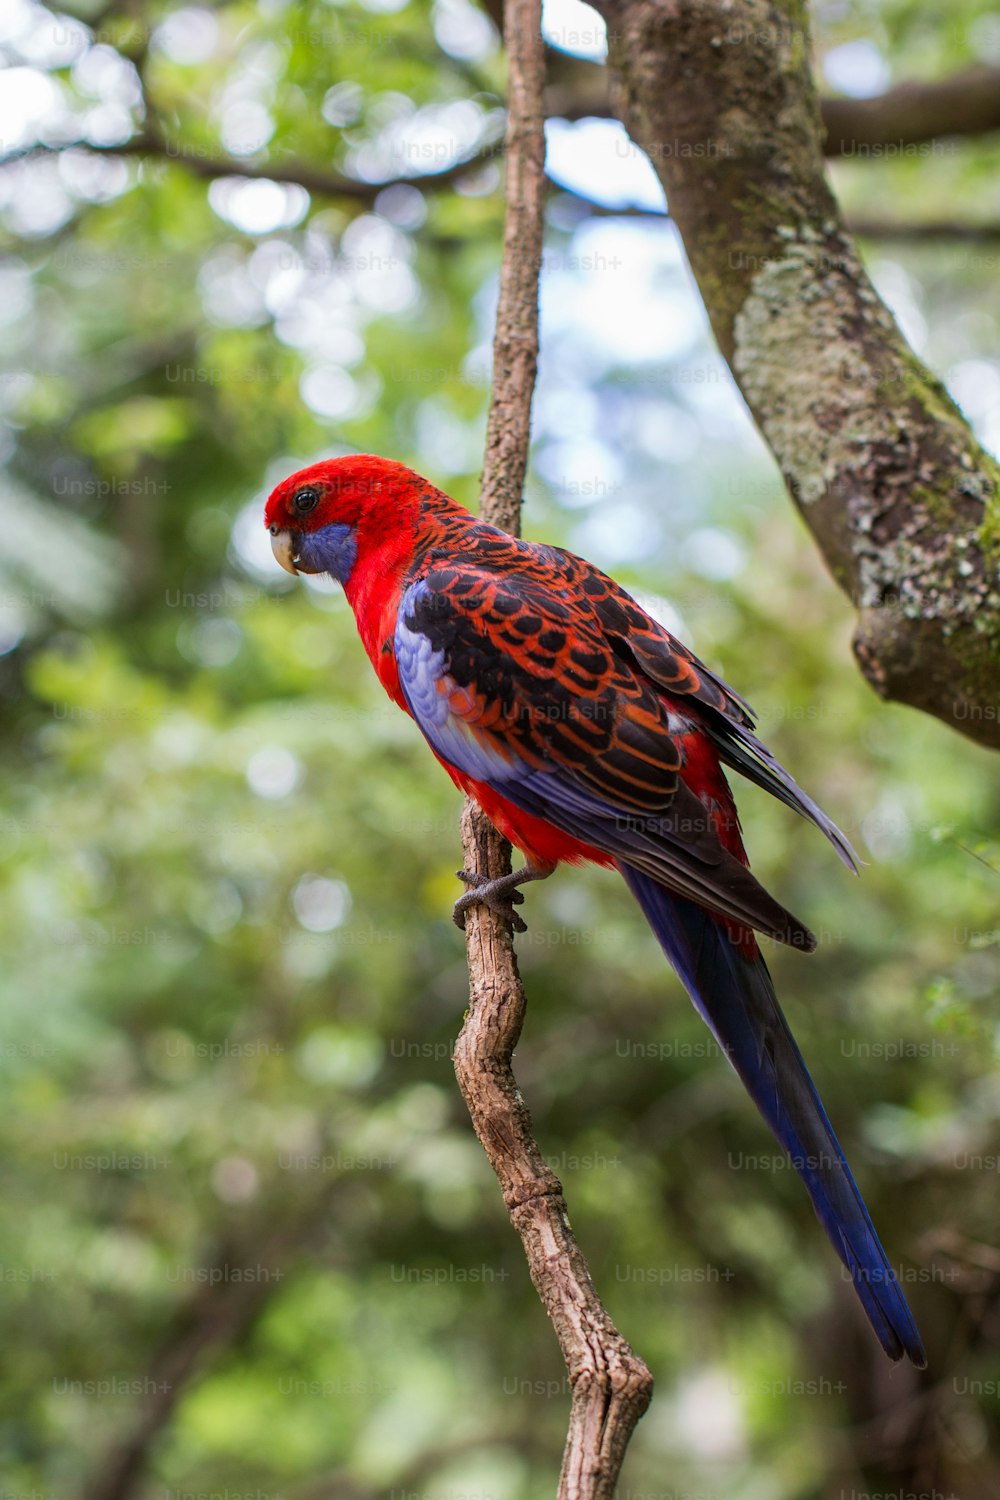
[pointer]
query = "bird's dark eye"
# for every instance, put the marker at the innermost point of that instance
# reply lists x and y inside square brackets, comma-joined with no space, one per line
[303,501]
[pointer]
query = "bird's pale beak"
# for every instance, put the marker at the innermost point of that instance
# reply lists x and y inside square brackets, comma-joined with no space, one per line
[284,546]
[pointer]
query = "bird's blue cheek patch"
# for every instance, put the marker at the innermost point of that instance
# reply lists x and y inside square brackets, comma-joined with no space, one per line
[333,549]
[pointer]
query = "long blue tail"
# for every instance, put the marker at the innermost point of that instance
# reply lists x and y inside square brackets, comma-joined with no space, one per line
[735,996]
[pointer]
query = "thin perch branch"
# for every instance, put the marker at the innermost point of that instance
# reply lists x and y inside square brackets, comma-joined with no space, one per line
[611,1385]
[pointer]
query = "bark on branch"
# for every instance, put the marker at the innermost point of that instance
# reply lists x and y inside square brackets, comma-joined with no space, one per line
[611,1385]
[901,499]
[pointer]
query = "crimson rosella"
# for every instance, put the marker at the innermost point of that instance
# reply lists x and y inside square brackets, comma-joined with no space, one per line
[586,731]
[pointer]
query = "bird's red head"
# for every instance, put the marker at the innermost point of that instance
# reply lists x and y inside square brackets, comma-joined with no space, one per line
[324,518]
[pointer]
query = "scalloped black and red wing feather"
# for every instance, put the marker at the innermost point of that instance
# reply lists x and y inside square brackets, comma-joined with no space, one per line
[606,619]
[519,689]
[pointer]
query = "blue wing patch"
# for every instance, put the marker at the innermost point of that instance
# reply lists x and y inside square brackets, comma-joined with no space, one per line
[428,689]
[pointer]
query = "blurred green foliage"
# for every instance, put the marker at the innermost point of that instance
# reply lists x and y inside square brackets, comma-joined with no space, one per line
[249,1244]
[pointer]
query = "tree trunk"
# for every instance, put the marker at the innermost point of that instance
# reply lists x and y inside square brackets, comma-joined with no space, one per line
[901,499]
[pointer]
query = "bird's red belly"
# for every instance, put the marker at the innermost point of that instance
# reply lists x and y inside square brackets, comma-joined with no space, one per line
[538,841]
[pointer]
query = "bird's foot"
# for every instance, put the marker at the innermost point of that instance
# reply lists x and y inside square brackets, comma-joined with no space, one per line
[500,895]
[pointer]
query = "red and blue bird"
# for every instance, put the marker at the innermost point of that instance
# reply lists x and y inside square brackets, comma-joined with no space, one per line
[586,731]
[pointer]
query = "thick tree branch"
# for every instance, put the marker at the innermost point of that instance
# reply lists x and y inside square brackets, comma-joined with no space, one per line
[984,233]
[901,499]
[611,1386]
[902,122]
[911,114]
[924,230]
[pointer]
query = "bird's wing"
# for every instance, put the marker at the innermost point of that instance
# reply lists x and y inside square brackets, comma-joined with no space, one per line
[518,688]
[725,717]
